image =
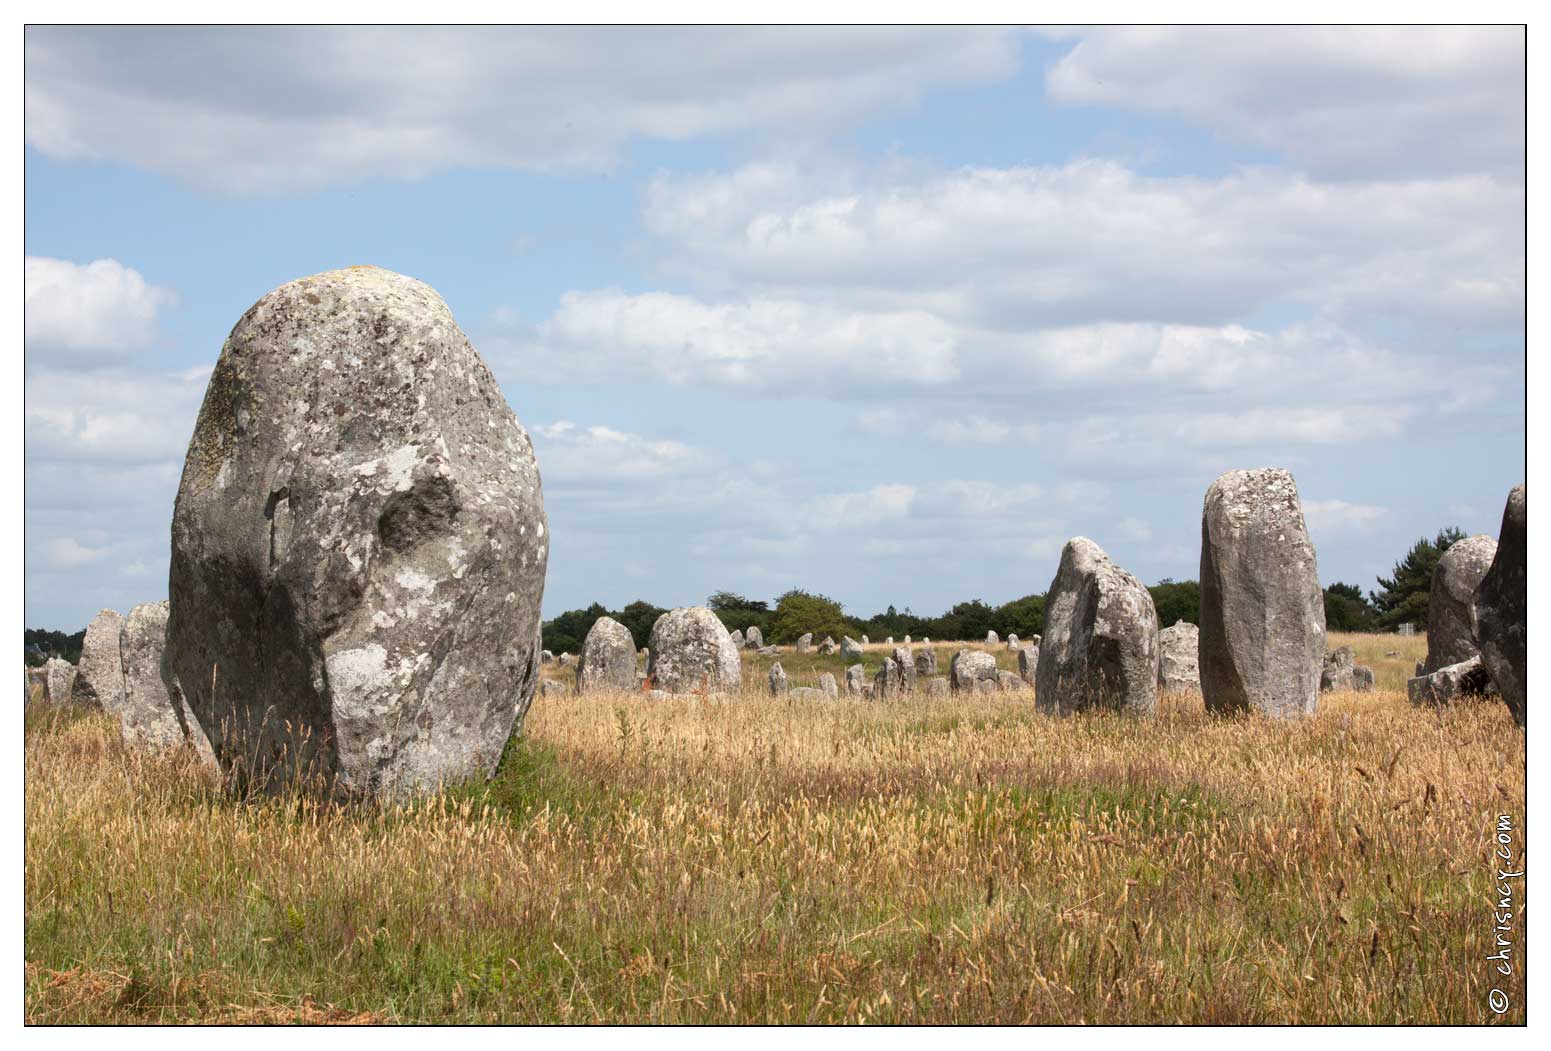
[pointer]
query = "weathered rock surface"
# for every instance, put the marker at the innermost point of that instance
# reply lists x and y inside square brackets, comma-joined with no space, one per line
[551,688]
[925,661]
[985,686]
[99,677]
[769,651]
[1501,608]
[828,685]
[828,646]
[937,686]
[1007,682]
[1449,684]
[991,638]
[1028,663]
[691,652]
[358,545]
[58,680]
[850,649]
[1339,670]
[1012,641]
[808,693]
[1262,610]
[888,682]
[804,642]
[737,638]
[969,667]
[1178,668]
[1451,604]
[753,639]
[1362,678]
[546,657]
[864,641]
[566,660]
[777,680]
[153,713]
[856,678]
[35,685]
[607,660]
[1100,646]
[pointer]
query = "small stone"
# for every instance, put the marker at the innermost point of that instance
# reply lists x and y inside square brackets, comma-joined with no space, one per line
[807,693]
[737,637]
[937,686]
[566,660]
[969,667]
[856,677]
[551,688]
[1007,682]
[777,680]
[1447,685]
[546,657]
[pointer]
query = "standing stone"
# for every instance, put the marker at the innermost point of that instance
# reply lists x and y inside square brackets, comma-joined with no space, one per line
[907,640]
[737,638]
[850,649]
[828,647]
[1262,610]
[867,691]
[1034,640]
[804,641]
[99,678]
[1500,603]
[691,652]
[607,660]
[1449,684]
[969,667]
[753,639]
[551,688]
[36,685]
[856,677]
[1007,682]
[777,679]
[1362,678]
[1012,641]
[864,640]
[991,638]
[888,682]
[925,641]
[359,543]
[1339,671]
[907,669]
[1100,647]
[58,680]
[546,657]
[1178,668]
[152,714]
[566,659]
[889,641]
[985,685]
[937,686]
[1028,663]
[1451,604]
[925,661]
[828,685]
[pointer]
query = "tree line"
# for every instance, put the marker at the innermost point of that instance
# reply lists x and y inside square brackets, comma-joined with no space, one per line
[1400,598]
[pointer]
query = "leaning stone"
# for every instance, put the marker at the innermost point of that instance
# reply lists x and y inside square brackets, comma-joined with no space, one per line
[856,677]
[850,649]
[753,639]
[1178,668]
[1500,604]
[1451,610]
[1100,647]
[692,652]
[777,679]
[969,667]
[58,680]
[153,714]
[828,685]
[607,660]
[359,543]
[1028,663]
[99,678]
[804,641]
[937,686]
[737,638]
[1446,685]
[925,661]
[1262,610]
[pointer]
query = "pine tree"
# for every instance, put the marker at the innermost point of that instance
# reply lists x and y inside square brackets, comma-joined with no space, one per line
[1404,595]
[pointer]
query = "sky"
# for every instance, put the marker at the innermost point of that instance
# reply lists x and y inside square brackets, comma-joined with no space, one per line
[883,314]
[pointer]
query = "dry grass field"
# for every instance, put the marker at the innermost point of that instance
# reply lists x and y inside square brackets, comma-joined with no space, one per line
[958,859]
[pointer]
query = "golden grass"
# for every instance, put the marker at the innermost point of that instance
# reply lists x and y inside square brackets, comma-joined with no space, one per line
[740,860]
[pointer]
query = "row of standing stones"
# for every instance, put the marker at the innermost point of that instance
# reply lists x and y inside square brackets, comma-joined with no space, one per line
[359,548]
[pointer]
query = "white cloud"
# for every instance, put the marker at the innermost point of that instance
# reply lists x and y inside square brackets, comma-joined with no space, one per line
[1091,241]
[262,109]
[111,416]
[1334,518]
[82,314]
[1340,102]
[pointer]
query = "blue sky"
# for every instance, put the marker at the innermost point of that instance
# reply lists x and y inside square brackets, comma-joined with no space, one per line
[884,314]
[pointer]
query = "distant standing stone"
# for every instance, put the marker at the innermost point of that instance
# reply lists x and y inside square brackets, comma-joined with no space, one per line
[1012,641]
[737,637]
[1028,663]
[889,641]
[991,638]
[907,640]
[925,661]
[1178,667]
[546,657]
[828,685]
[907,669]
[777,680]
[887,683]
[1362,678]
[58,680]
[804,641]
[1007,682]
[937,686]
[566,660]
[1500,603]
[607,660]
[864,641]
[1100,647]
[36,685]
[856,678]
[850,649]
[753,639]
[1451,604]
[969,667]
[1339,670]
[691,651]
[153,714]
[1447,685]
[1262,610]
[549,687]
[99,678]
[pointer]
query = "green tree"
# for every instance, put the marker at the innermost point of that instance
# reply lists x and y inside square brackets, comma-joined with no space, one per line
[739,614]
[1022,616]
[1403,596]
[1176,601]
[799,612]
[1347,610]
[640,617]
